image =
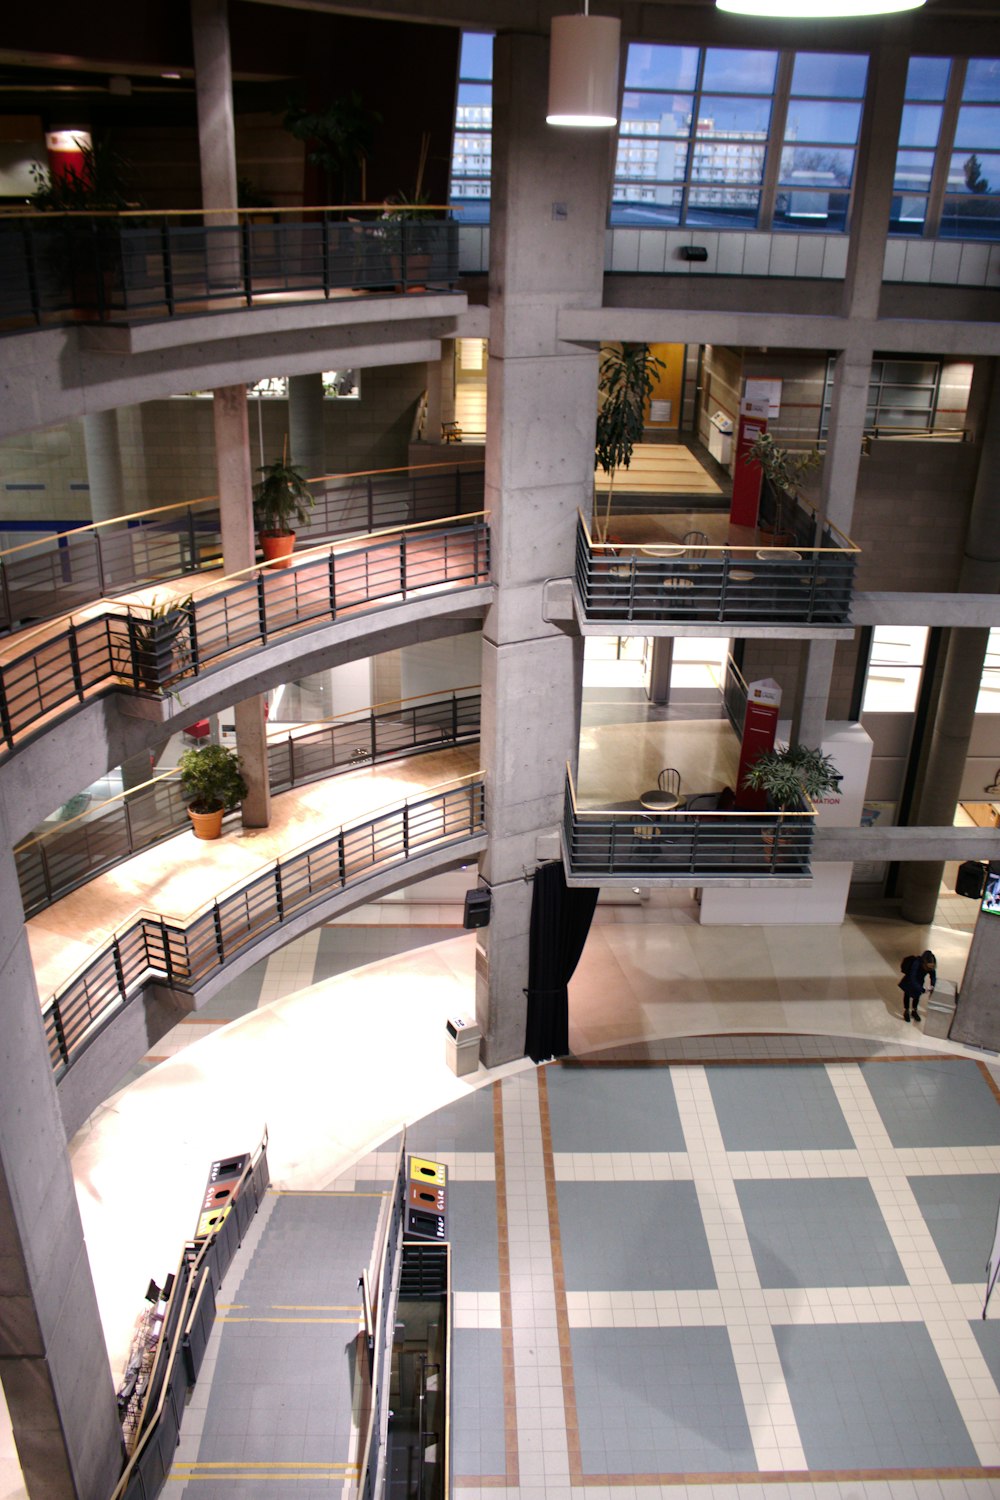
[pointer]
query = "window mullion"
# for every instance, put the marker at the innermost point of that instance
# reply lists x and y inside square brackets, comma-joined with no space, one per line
[945,146]
[775,141]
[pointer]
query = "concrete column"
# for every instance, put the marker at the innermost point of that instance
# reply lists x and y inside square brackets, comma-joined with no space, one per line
[848,409]
[213,77]
[305,424]
[660,667]
[545,255]
[104,466]
[53,1360]
[440,392]
[977,1020]
[235,478]
[965,653]
[873,187]
[812,692]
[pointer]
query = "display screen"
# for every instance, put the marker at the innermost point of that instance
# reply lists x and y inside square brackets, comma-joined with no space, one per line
[991,895]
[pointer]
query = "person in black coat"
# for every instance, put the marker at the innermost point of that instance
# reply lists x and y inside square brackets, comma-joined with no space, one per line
[912,983]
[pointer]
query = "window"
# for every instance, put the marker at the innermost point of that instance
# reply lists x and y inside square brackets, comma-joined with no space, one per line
[894,669]
[820,139]
[725,137]
[471,155]
[971,209]
[926,90]
[947,182]
[902,395]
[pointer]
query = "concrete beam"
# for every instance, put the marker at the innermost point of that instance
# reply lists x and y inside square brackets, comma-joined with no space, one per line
[905,844]
[964,610]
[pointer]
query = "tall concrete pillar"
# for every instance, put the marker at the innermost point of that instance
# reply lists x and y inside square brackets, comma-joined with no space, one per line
[873,187]
[53,1360]
[104,466]
[660,668]
[213,81]
[965,653]
[812,692]
[306,440]
[235,478]
[977,1020]
[544,256]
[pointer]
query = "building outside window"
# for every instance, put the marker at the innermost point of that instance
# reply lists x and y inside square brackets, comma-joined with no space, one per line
[472,147]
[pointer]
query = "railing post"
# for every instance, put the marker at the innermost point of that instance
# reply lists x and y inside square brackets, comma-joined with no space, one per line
[261,608]
[402,566]
[99,559]
[8,610]
[46,872]
[406,829]
[128,826]
[246,257]
[220,946]
[168,957]
[192,542]
[291,759]
[57,1027]
[168,268]
[192,617]
[133,650]
[279,895]
[116,956]
[454,718]
[5,724]
[341,858]
[371,503]
[373,736]
[326,254]
[332,571]
[74,659]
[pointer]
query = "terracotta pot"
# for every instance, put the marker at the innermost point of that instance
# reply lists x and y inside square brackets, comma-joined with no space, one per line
[277,547]
[207,825]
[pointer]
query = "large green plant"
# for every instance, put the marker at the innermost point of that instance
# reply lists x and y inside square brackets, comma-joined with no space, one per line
[100,184]
[211,778]
[626,381]
[340,136]
[281,497]
[783,470]
[160,647]
[785,774]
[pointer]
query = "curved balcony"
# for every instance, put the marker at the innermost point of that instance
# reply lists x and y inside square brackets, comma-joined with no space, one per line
[122,267]
[431,829]
[115,646]
[59,860]
[726,576]
[59,572]
[687,846]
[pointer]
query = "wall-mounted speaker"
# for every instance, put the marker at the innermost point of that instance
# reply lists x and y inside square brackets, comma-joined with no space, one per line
[971,879]
[694,252]
[477,907]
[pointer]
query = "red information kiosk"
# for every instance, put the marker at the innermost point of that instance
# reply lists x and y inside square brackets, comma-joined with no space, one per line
[759,728]
[747,477]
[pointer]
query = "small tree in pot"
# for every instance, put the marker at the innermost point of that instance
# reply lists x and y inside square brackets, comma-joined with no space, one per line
[212,780]
[626,381]
[784,472]
[281,497]
[785,775]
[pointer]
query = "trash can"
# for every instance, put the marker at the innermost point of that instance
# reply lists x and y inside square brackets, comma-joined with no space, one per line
[720,437]
[940,1005]
[461,1046]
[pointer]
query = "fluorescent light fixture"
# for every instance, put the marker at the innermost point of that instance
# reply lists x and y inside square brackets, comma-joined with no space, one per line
[829,10]
[583,71]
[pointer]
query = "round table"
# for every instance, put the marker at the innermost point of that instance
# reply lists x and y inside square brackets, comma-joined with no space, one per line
[657,801]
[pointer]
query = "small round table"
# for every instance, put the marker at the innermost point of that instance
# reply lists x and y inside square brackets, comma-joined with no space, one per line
[657,801]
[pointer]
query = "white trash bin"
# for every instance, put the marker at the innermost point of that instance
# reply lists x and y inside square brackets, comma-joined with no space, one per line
[461,1046]
[940,1007]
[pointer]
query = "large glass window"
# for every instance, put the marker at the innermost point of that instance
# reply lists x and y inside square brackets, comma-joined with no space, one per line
[821,135]
[902,395]
[471,156]
[971,209]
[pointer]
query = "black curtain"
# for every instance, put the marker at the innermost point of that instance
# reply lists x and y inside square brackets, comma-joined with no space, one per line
[560,921]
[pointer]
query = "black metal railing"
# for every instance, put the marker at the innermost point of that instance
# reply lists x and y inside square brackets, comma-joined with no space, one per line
[798,584]
[57,861]
[140,266]
[383,1280]
[734,697]
[186,954]
[58,573]
[698,845]
[122,647]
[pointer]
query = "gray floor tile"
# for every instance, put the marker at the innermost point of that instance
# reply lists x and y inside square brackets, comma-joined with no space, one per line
[472,1230]
[946,1102]
[477,1402]
[465,1125]
[632,1236]
[872,1396]
[778,1109]
[342,948]
[818,1233]
[613,1109]
[961,1213]
[988,1338]
[659,1400]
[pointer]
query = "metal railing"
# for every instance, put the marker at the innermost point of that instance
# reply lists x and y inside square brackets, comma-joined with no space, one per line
[61,572]
[383,1278]
[122,647]
[141,265]
[807,585]
[51,864]
[698,845]
[734,697]
[184,954]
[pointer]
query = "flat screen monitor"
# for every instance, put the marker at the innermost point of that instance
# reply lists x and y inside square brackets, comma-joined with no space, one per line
[991,895]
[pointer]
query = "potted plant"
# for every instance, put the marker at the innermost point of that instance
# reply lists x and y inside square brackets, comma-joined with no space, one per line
[340,136]
[154,642]
[212,780]
[786,775]
[783,471]
[281,497]
[626,381]
[403,229]
[86,253]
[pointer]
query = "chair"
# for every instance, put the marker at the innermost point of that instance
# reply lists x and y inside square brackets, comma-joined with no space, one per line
[669,780]
[696,542]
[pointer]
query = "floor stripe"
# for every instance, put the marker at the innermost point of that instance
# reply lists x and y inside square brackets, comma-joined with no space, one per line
[506,1316]
[559,1281]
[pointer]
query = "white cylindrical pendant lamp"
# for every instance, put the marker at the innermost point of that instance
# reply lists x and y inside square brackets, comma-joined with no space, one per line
[583,71]
[827,10]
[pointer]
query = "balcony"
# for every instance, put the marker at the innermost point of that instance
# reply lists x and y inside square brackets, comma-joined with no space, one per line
[689,846]
[67,268]
[724,575]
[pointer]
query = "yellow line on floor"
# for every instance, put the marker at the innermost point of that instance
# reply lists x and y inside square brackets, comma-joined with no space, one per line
[263,1463]
[354,1307]
[251,1319]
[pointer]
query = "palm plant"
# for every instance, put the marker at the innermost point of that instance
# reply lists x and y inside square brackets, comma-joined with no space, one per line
[281,497]
[155,638]
[783,470]
[341,137]
[786,774]
[626,382]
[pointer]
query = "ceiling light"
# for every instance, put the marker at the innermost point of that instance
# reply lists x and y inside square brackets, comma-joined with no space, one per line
[170,75]
[583,71]
[793,10]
